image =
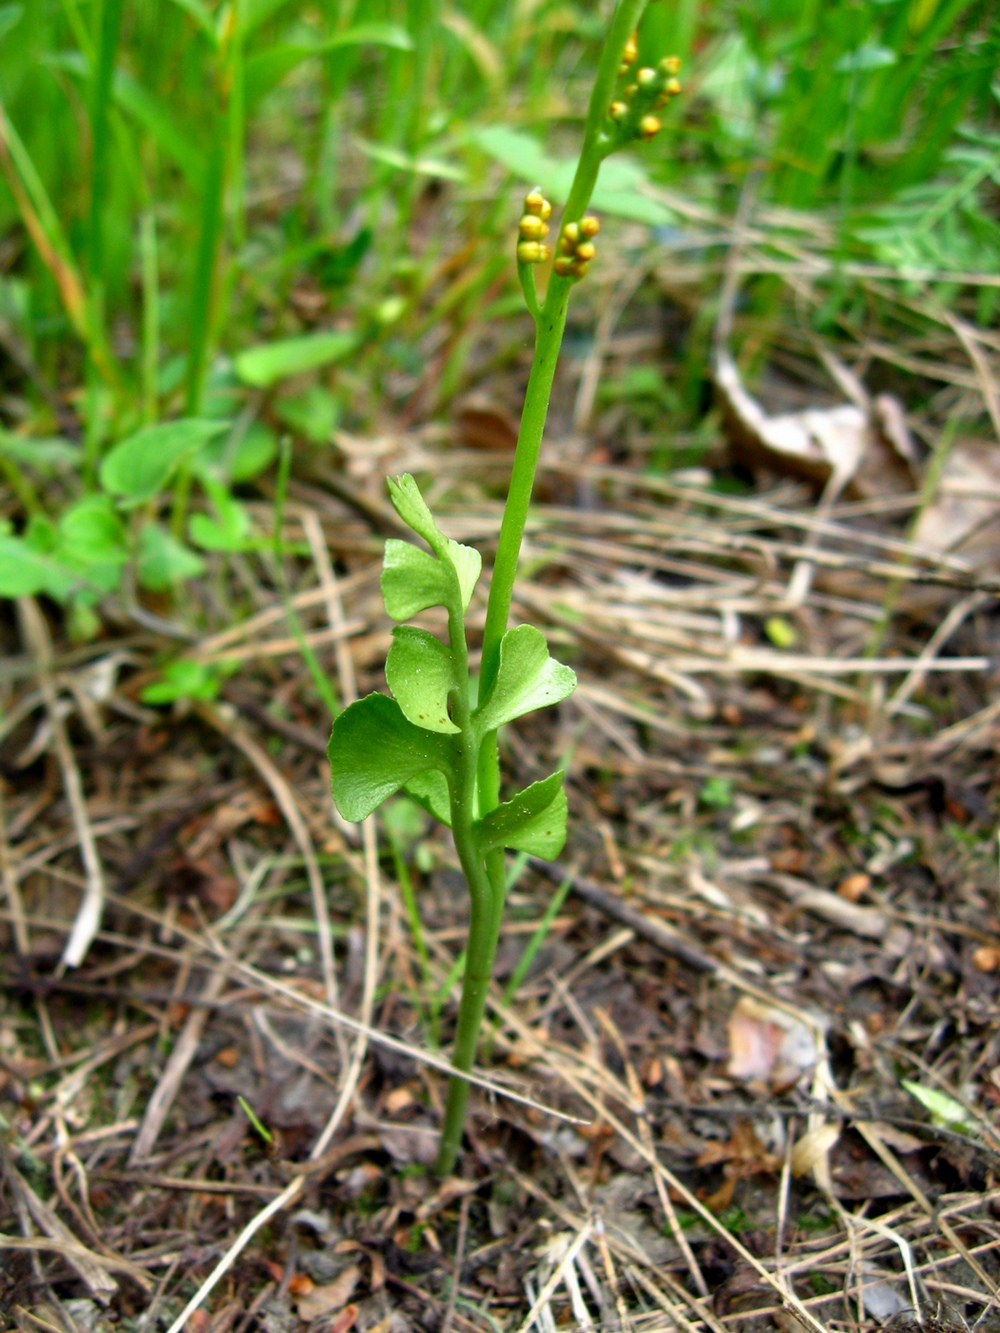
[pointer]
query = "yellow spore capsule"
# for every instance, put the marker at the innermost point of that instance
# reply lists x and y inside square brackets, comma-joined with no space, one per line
[648,126]
[673,87]
[586,251]
[571,231]
[535,202]
[532,252]
[589,227]
[646,77]
[532,228]
[546,212]
[629,53]
[631,90]
[618,110]
[578,269]
[563,266]
[671,64]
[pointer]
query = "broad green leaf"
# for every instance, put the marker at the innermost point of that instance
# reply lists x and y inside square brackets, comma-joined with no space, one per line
[91,533]
[229,530]
[25,572]
[527,678]
[533,821]
[266,364]
[430,790]
[266,69]
[374,751]
[619,188]
[140,466]
[944,1110]
[164,561]
[411,507]
[420,673]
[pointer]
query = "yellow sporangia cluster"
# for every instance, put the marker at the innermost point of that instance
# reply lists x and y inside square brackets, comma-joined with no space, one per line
[533,229]
[576,247]
[650,92]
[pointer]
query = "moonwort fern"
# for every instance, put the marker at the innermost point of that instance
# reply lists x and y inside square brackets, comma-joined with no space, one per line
[428,739]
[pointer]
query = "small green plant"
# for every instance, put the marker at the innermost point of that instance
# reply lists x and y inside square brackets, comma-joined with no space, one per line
[430,738]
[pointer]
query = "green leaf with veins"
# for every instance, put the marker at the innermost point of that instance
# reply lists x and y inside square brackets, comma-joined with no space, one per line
[533,821]
[430,790]
[374,751]
[420,673]
[464,560]
[413,580]
[527,678]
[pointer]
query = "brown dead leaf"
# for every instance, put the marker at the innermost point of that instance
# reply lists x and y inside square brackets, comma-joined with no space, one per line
[485,424]
[767,1046]
[863,443]
[720,1198]
[331,1296]
[744,1154]
[345,1319]
[964,516]
[817,444]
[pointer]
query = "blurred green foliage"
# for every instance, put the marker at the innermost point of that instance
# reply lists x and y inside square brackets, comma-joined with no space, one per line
[252,212]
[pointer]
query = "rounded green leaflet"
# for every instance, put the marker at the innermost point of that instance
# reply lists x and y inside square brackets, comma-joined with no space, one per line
[413,580]
[420,673]
[464,560]
[527,678]
[374,751]
[533,821]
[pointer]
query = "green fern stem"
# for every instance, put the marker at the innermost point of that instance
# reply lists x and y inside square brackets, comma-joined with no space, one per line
[486,878]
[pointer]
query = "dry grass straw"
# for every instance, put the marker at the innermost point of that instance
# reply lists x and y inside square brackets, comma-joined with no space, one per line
[662,583]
